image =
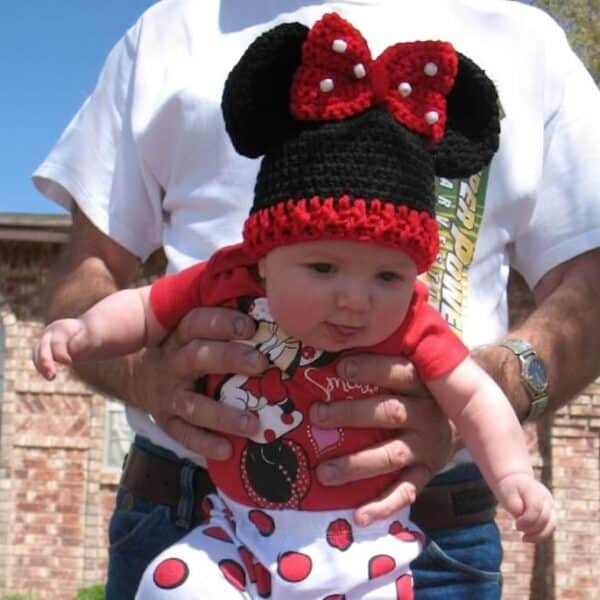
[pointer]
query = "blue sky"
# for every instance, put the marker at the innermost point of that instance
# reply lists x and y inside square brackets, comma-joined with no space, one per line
[50,54]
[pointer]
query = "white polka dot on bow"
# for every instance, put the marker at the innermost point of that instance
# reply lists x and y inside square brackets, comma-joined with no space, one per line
[432,117]
[430,69]
[339,46]
[326,85]
[359,71]
[405,89]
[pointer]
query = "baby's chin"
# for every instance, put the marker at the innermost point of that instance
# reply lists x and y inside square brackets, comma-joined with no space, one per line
[318,343]
[327,344]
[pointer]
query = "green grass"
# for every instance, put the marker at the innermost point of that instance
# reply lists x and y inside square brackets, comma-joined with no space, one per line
[95,592]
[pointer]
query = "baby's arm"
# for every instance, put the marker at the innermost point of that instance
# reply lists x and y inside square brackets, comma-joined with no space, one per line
[117,325]
[492,433]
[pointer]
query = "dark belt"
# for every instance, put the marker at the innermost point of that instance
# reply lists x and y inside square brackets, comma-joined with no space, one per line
[158,479]
[454,505]
[437,507]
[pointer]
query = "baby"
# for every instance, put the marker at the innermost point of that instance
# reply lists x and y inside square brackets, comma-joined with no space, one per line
[341,226]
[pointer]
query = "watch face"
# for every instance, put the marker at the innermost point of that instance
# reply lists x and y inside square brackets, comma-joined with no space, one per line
[536,375]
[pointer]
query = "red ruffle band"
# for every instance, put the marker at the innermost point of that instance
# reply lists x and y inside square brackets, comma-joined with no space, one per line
[291,221]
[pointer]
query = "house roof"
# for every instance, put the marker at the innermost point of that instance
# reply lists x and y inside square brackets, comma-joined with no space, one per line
[28,227]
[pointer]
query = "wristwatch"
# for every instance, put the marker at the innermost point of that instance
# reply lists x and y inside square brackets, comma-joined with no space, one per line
[534,376]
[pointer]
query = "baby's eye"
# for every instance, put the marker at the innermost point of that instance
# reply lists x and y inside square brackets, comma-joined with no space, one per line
[321,267]
[388,276]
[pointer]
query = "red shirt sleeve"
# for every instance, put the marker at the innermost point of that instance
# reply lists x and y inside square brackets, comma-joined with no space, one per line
[227,275]
[425,339]
[173,296]
[430,344]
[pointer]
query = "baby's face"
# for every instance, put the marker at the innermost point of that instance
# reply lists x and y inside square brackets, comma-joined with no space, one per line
[335,295]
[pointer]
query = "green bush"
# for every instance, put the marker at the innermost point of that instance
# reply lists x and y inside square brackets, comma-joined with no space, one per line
[95,592]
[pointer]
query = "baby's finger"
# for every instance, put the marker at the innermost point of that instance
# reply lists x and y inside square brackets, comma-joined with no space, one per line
[528,520]
[42,358]
[543,533]
[60,351]
[544,526]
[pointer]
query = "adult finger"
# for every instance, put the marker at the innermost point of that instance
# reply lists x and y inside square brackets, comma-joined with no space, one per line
[200,411]
[198,440]
[390,372]
[382,412]
[397,497]
[388,457]
[200,356]
[213,323]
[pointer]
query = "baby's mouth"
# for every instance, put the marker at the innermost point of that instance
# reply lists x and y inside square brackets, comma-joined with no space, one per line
[344,331]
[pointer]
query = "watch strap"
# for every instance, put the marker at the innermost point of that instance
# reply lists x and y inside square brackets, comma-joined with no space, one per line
[538,401]
[537,408]
[518,347]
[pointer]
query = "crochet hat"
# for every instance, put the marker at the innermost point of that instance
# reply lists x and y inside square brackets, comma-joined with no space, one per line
[352,144]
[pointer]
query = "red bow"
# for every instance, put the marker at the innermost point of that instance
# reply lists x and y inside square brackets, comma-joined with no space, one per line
[338,78]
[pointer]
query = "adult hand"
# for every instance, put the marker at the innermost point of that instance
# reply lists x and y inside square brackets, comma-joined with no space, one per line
[424,442]
[163,380]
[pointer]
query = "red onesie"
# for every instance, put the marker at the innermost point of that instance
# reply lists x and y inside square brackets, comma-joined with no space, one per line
[275,469]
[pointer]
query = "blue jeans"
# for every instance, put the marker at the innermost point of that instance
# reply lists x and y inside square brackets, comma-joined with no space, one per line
[458,564]
[139,530]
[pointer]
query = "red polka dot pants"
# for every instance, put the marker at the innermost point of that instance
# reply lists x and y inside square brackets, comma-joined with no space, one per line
[246,552]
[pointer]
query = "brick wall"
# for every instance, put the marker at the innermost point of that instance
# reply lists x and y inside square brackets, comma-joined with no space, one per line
[565,450]
[56,493]
[566,453]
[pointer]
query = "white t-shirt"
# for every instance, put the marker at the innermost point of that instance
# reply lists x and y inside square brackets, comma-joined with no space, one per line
[148,160]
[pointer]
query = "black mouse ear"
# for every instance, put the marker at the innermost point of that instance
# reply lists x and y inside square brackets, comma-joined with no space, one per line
[473,124]
[256,97]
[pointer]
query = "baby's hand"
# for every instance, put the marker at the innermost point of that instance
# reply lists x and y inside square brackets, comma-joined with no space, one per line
[53,346]
[530,503]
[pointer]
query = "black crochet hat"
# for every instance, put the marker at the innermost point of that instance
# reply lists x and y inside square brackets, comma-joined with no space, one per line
[351,145]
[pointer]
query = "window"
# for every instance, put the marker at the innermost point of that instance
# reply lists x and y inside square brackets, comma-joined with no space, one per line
[118,435]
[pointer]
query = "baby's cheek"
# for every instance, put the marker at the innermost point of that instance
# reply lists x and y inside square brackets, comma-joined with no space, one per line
[396,309]
[283,307]
[294,314]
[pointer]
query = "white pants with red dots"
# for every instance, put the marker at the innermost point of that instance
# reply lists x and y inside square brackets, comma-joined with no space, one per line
[245,552]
